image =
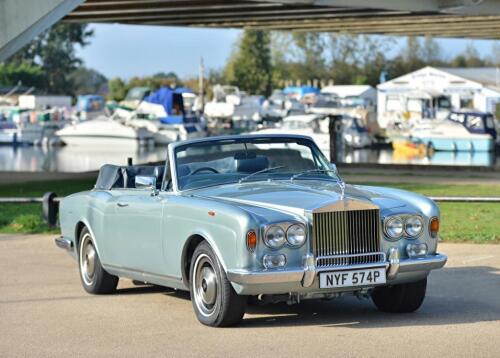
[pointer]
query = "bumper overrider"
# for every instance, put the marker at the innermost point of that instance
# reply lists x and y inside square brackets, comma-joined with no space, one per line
[303,279]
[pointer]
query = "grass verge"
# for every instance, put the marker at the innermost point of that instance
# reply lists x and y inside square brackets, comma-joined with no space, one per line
[460,222]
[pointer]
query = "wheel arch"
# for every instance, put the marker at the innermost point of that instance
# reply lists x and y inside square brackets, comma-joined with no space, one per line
[188,250]
[80,225]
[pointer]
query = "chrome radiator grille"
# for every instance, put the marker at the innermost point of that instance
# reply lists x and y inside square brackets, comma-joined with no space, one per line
[347,237]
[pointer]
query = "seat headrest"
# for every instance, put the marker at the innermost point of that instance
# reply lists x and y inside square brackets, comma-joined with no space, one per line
[251,165]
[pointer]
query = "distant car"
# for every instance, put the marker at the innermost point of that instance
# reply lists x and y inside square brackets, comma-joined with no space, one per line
[251,215]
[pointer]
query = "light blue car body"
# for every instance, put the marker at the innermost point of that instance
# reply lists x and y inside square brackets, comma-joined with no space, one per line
[150,236]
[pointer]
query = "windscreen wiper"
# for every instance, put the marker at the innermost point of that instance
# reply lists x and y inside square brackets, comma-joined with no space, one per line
[295,176]
[259,172]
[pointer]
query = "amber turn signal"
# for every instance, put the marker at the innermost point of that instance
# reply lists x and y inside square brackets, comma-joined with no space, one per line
[251,240]
[434,227]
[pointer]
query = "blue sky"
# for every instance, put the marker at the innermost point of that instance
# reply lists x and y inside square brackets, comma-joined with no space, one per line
[130,50]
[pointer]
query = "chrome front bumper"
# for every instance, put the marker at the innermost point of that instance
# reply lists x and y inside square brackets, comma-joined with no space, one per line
[64,243]
[308,273]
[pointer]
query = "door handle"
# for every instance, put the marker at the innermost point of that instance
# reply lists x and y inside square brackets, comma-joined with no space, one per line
[122,205]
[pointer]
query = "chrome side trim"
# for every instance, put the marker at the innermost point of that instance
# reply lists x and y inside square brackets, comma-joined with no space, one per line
[64,243]
[143,273]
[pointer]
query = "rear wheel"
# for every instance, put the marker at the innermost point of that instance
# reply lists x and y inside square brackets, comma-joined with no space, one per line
[403,298]
[94,278]
[214,300]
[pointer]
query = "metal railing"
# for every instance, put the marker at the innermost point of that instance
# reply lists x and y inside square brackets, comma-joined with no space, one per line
[50,203]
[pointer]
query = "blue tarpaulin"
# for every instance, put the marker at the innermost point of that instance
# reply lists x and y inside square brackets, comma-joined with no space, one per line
[171,100]
[300,90]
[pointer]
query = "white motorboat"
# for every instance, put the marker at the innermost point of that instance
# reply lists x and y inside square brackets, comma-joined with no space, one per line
[469,131]
[104,131]
[223,104]
[147,116]
[354,135]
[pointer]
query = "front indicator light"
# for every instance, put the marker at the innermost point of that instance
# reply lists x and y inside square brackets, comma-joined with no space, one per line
[416,250]
[251,240]
[274,261]
[434,227]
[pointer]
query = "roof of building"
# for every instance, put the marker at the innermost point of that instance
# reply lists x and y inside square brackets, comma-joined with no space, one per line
[487,76]
[346,90]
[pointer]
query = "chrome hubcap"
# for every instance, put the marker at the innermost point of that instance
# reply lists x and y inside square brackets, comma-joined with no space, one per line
[87,259]
[205,285]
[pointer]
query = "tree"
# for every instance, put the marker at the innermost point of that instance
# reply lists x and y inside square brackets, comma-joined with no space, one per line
[117,90]
[469,58]
[87,81]
[29,75]
[54,52]
[310,52]
[252,62]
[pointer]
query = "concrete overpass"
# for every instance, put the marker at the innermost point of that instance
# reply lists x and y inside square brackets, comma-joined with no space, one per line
[20,21]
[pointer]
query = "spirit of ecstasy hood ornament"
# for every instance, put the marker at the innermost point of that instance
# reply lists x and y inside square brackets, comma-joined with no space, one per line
[341,184]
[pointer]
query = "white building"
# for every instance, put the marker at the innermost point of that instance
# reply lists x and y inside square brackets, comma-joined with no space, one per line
[432,92]
[367,94]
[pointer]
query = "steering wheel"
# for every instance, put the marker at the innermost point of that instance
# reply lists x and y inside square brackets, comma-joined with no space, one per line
[215,171]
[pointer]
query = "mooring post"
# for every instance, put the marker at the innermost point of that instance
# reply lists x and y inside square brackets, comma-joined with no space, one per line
[334,128]
[50,207]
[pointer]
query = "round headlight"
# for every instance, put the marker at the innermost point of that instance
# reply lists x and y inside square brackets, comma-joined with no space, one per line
[296,235]
[274,237]
[394,227]
[414,226]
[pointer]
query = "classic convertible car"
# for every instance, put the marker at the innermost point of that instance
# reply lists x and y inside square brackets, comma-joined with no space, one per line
[261,216]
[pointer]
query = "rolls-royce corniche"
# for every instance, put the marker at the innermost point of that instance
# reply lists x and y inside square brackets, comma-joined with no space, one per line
[265,217]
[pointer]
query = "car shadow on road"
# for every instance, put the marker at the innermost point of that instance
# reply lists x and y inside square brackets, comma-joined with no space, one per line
[457,295]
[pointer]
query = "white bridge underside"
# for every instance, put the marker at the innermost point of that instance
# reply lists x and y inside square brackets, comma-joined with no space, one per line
[21,21]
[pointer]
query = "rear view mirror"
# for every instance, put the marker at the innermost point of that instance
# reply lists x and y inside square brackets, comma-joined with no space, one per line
[145,182]
[333,167]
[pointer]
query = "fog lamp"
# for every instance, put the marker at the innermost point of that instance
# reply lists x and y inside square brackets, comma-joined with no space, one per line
[416,250]
[274,261]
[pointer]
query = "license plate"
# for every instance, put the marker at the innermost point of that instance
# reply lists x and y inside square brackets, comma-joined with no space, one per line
[351,278]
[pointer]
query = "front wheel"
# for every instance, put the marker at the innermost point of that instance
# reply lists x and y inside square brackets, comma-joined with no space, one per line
[214,300]
[94,278]
[402,298]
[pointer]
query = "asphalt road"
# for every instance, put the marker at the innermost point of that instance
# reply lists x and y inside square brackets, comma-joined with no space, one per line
[45,312]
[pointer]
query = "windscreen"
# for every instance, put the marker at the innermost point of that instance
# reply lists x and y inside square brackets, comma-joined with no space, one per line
[212,163]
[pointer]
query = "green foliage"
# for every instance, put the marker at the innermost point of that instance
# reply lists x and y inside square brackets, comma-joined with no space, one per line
[87,81]
[29,75]
[117,89]
[251,65]
[54,52]
[306,57]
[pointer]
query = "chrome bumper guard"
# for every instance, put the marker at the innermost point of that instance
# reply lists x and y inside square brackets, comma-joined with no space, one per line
[306,276]
[64,243]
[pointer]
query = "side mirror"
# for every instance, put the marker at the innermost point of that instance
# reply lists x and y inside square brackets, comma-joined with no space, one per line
[145,182]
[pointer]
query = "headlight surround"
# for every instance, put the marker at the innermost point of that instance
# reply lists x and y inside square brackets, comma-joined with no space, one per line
[296,235]
[394,227]
[414,226]
[275,237]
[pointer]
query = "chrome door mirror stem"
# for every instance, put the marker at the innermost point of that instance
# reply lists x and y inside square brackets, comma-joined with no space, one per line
[145,182]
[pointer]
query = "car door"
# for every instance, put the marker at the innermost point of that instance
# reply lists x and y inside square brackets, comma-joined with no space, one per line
[136,230]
